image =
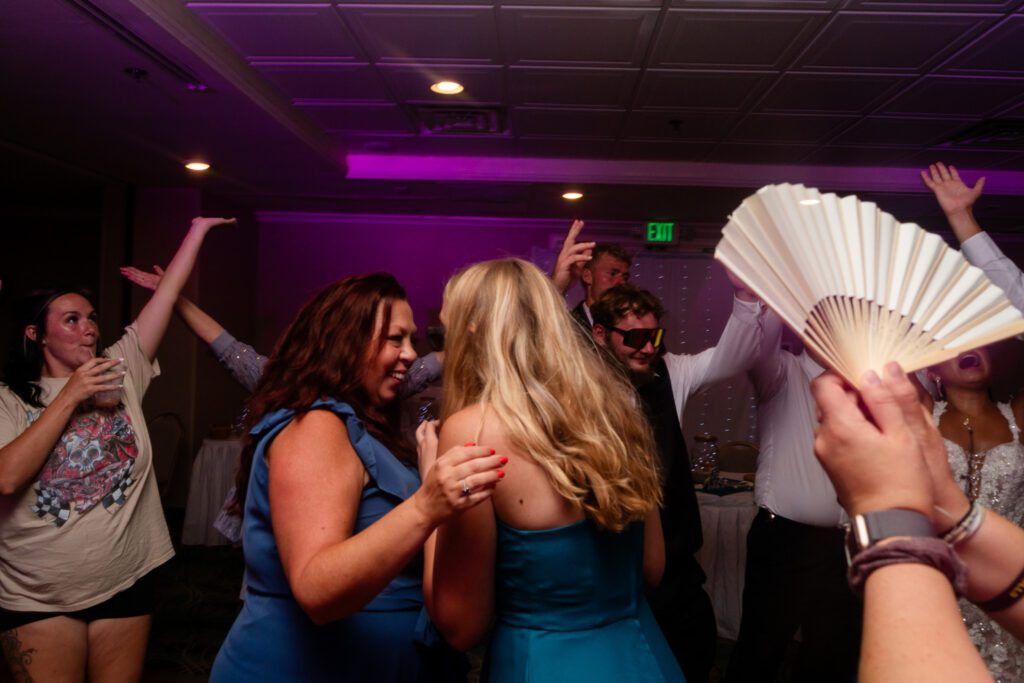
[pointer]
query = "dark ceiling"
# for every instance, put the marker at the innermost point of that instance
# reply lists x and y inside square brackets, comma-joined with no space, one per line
[656,108]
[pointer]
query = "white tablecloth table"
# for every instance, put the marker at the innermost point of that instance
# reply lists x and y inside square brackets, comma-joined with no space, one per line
[213,474]
[726,521]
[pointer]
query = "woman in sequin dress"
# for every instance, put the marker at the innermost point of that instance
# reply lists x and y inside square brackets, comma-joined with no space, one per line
[986,455]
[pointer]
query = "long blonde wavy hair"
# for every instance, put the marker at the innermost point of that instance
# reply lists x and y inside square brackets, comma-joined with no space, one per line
[511,344]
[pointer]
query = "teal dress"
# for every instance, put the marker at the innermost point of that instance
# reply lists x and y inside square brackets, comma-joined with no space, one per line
[570,606]
[390,640]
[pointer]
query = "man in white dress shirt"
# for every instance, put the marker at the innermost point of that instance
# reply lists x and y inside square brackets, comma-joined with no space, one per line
[796,562]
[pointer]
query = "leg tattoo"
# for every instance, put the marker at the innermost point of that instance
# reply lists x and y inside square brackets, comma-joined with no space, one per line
[18,657]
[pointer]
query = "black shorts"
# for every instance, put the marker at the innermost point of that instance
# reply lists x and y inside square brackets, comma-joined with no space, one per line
[135,601]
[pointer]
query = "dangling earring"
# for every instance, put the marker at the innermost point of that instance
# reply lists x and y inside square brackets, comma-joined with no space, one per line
[939,389]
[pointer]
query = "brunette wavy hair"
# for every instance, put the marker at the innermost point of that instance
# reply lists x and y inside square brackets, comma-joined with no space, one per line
[24,363]
[321,354]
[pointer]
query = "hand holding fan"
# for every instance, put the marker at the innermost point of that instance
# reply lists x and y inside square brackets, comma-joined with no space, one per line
[859,287]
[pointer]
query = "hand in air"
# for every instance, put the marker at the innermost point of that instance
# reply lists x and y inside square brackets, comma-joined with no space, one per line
[571,258]
[142,278]
[207,224]
[952,193]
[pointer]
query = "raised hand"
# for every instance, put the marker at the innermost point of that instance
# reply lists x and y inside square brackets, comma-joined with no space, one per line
[570,258]
[206,224]
[142,278]
[952,193]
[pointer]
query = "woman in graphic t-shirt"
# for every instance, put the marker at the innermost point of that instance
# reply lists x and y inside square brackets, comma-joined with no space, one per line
[81,528]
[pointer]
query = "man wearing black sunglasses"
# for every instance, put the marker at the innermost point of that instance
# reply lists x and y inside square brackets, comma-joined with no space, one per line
[627,324]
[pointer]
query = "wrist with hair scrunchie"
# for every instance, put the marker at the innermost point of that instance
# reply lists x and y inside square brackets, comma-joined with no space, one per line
[933,552]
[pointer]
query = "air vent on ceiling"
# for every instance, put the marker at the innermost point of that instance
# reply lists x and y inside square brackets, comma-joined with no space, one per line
[993,134]
[460,121]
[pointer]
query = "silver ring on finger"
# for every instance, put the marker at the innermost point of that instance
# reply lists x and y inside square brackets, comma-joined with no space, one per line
[466,491]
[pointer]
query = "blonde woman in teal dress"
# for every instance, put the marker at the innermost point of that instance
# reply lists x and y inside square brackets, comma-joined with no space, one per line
[556,560]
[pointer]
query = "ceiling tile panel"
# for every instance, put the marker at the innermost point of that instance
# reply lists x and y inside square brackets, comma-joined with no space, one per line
[968,158]
[719,90]
[319,81]
[1001,49]
[830,93]
[759,4]
[545,86]
[776,128]
[878,41]
[934,6]
[483,84]
[956,96]
[700,38]
[281,30]
[564,148]
[584,37]
[663,150]
[858,156]
[884,130]
[406,33]
[368,118]
[691,126]
[566,122]
[752,153]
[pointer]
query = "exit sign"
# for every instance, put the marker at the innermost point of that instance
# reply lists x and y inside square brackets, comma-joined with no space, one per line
[661,233]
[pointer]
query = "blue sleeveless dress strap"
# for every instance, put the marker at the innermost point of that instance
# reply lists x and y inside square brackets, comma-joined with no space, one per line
[391,639]
[570,606]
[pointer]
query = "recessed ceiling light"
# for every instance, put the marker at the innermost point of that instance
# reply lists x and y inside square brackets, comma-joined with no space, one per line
[197,166]
[810,202]
[447,88]
[572,196]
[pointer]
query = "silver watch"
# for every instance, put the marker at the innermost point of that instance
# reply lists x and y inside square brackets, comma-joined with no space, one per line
[868,529]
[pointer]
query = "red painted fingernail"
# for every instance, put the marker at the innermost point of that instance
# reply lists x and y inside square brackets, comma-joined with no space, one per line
[470,444]
[492,451]
[501,474]
[502,459]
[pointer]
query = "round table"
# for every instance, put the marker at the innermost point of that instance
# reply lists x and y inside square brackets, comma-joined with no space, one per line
[213,474]
[725,521]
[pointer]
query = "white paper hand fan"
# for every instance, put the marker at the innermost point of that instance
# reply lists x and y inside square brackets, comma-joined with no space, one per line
[859,287]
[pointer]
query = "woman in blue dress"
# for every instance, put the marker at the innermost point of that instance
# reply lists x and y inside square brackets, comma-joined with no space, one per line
[335,517]
[558,557]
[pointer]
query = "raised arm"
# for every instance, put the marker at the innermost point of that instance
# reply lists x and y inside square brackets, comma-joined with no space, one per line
[154,316]
[957,201]
[240,359]
[737,349]
[570,258]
